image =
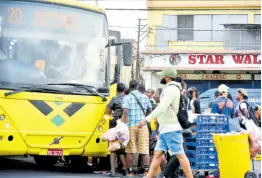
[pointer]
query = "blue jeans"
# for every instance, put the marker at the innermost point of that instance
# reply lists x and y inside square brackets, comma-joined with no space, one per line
[172,141]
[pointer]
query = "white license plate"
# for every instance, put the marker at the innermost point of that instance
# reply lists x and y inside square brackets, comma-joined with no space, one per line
[55,152]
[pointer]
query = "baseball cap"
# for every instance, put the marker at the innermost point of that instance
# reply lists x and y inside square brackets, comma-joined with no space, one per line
[243,92]
[223,88]
[168,72]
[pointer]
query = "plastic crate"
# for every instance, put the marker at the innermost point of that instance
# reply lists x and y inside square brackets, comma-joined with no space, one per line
[193,165]
[215,119]
[219,127]
[190,139]
[205,142]
[210,150]
[190,152]
[212,127]
[206,159]
[206,166]
[202,152]
[190,144]
[192,160]
[205,135]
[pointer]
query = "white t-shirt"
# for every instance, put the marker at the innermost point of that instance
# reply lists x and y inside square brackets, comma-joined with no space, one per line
[192,105]
[241,105]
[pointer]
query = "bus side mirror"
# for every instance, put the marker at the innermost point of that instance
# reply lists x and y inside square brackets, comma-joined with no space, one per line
[127,54]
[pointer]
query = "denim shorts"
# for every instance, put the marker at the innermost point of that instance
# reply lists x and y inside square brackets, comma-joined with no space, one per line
[171,141]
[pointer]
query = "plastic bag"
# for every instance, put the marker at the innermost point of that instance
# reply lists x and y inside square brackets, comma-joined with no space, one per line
[114,145]
[254,134]
[110,135]
[253,129]
[122,132]
[192,116]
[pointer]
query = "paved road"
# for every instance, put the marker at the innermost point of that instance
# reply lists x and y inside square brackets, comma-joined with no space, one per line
[20,167]
[26,168]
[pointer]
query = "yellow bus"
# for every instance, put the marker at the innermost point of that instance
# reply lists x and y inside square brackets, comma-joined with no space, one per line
[54,79]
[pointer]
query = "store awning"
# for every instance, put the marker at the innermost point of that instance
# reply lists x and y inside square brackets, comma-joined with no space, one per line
[243,26]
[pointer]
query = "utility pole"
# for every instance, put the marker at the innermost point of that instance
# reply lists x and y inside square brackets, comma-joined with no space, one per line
[96,2]
[139,34]
[137,51]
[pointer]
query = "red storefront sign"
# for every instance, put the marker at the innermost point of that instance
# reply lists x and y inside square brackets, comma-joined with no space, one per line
[195,62]
[221,59]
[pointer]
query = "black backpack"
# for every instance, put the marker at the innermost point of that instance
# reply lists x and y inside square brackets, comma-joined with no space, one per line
[251,114]
[182,114]
[153,105]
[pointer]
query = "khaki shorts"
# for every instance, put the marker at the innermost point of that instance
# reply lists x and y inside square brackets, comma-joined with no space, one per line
[139,140]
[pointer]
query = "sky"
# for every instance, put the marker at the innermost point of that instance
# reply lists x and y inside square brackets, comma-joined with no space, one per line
[124,20]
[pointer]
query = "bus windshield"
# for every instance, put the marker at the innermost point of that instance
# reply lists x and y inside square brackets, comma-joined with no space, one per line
[45,43]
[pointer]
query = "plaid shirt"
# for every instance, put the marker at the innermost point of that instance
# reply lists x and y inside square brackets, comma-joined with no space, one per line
[135,114]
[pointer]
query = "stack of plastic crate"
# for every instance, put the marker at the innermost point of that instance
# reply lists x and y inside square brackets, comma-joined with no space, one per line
[201,149]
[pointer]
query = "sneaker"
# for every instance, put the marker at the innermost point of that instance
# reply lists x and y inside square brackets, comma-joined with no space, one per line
[145,174]
[130,174]
[106,172]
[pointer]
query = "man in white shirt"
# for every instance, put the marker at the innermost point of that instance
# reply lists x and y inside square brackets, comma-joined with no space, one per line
[242,108]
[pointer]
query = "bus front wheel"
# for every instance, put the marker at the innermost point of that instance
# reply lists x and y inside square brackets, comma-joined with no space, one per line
[45,161]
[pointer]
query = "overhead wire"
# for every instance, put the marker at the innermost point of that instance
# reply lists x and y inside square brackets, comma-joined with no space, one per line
[121,27]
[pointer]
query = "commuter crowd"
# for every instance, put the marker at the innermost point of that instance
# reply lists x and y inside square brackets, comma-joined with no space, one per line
[155,146]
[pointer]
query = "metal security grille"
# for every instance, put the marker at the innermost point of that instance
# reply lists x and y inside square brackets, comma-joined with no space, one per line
[243,37]
[185,27]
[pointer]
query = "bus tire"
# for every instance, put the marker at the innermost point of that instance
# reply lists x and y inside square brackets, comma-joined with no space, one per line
[250,174]
[45,161]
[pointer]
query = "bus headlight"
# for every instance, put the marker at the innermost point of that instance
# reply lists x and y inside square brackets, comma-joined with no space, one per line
[100,128]
[2,117]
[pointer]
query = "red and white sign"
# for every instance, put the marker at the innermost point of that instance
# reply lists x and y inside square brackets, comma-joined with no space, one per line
[205,61]
[216,76]
[222,59]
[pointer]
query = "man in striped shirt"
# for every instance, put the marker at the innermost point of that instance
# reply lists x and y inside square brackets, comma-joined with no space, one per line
[135,106]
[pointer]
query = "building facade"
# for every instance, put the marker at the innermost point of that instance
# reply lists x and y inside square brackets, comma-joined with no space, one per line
[209,42]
